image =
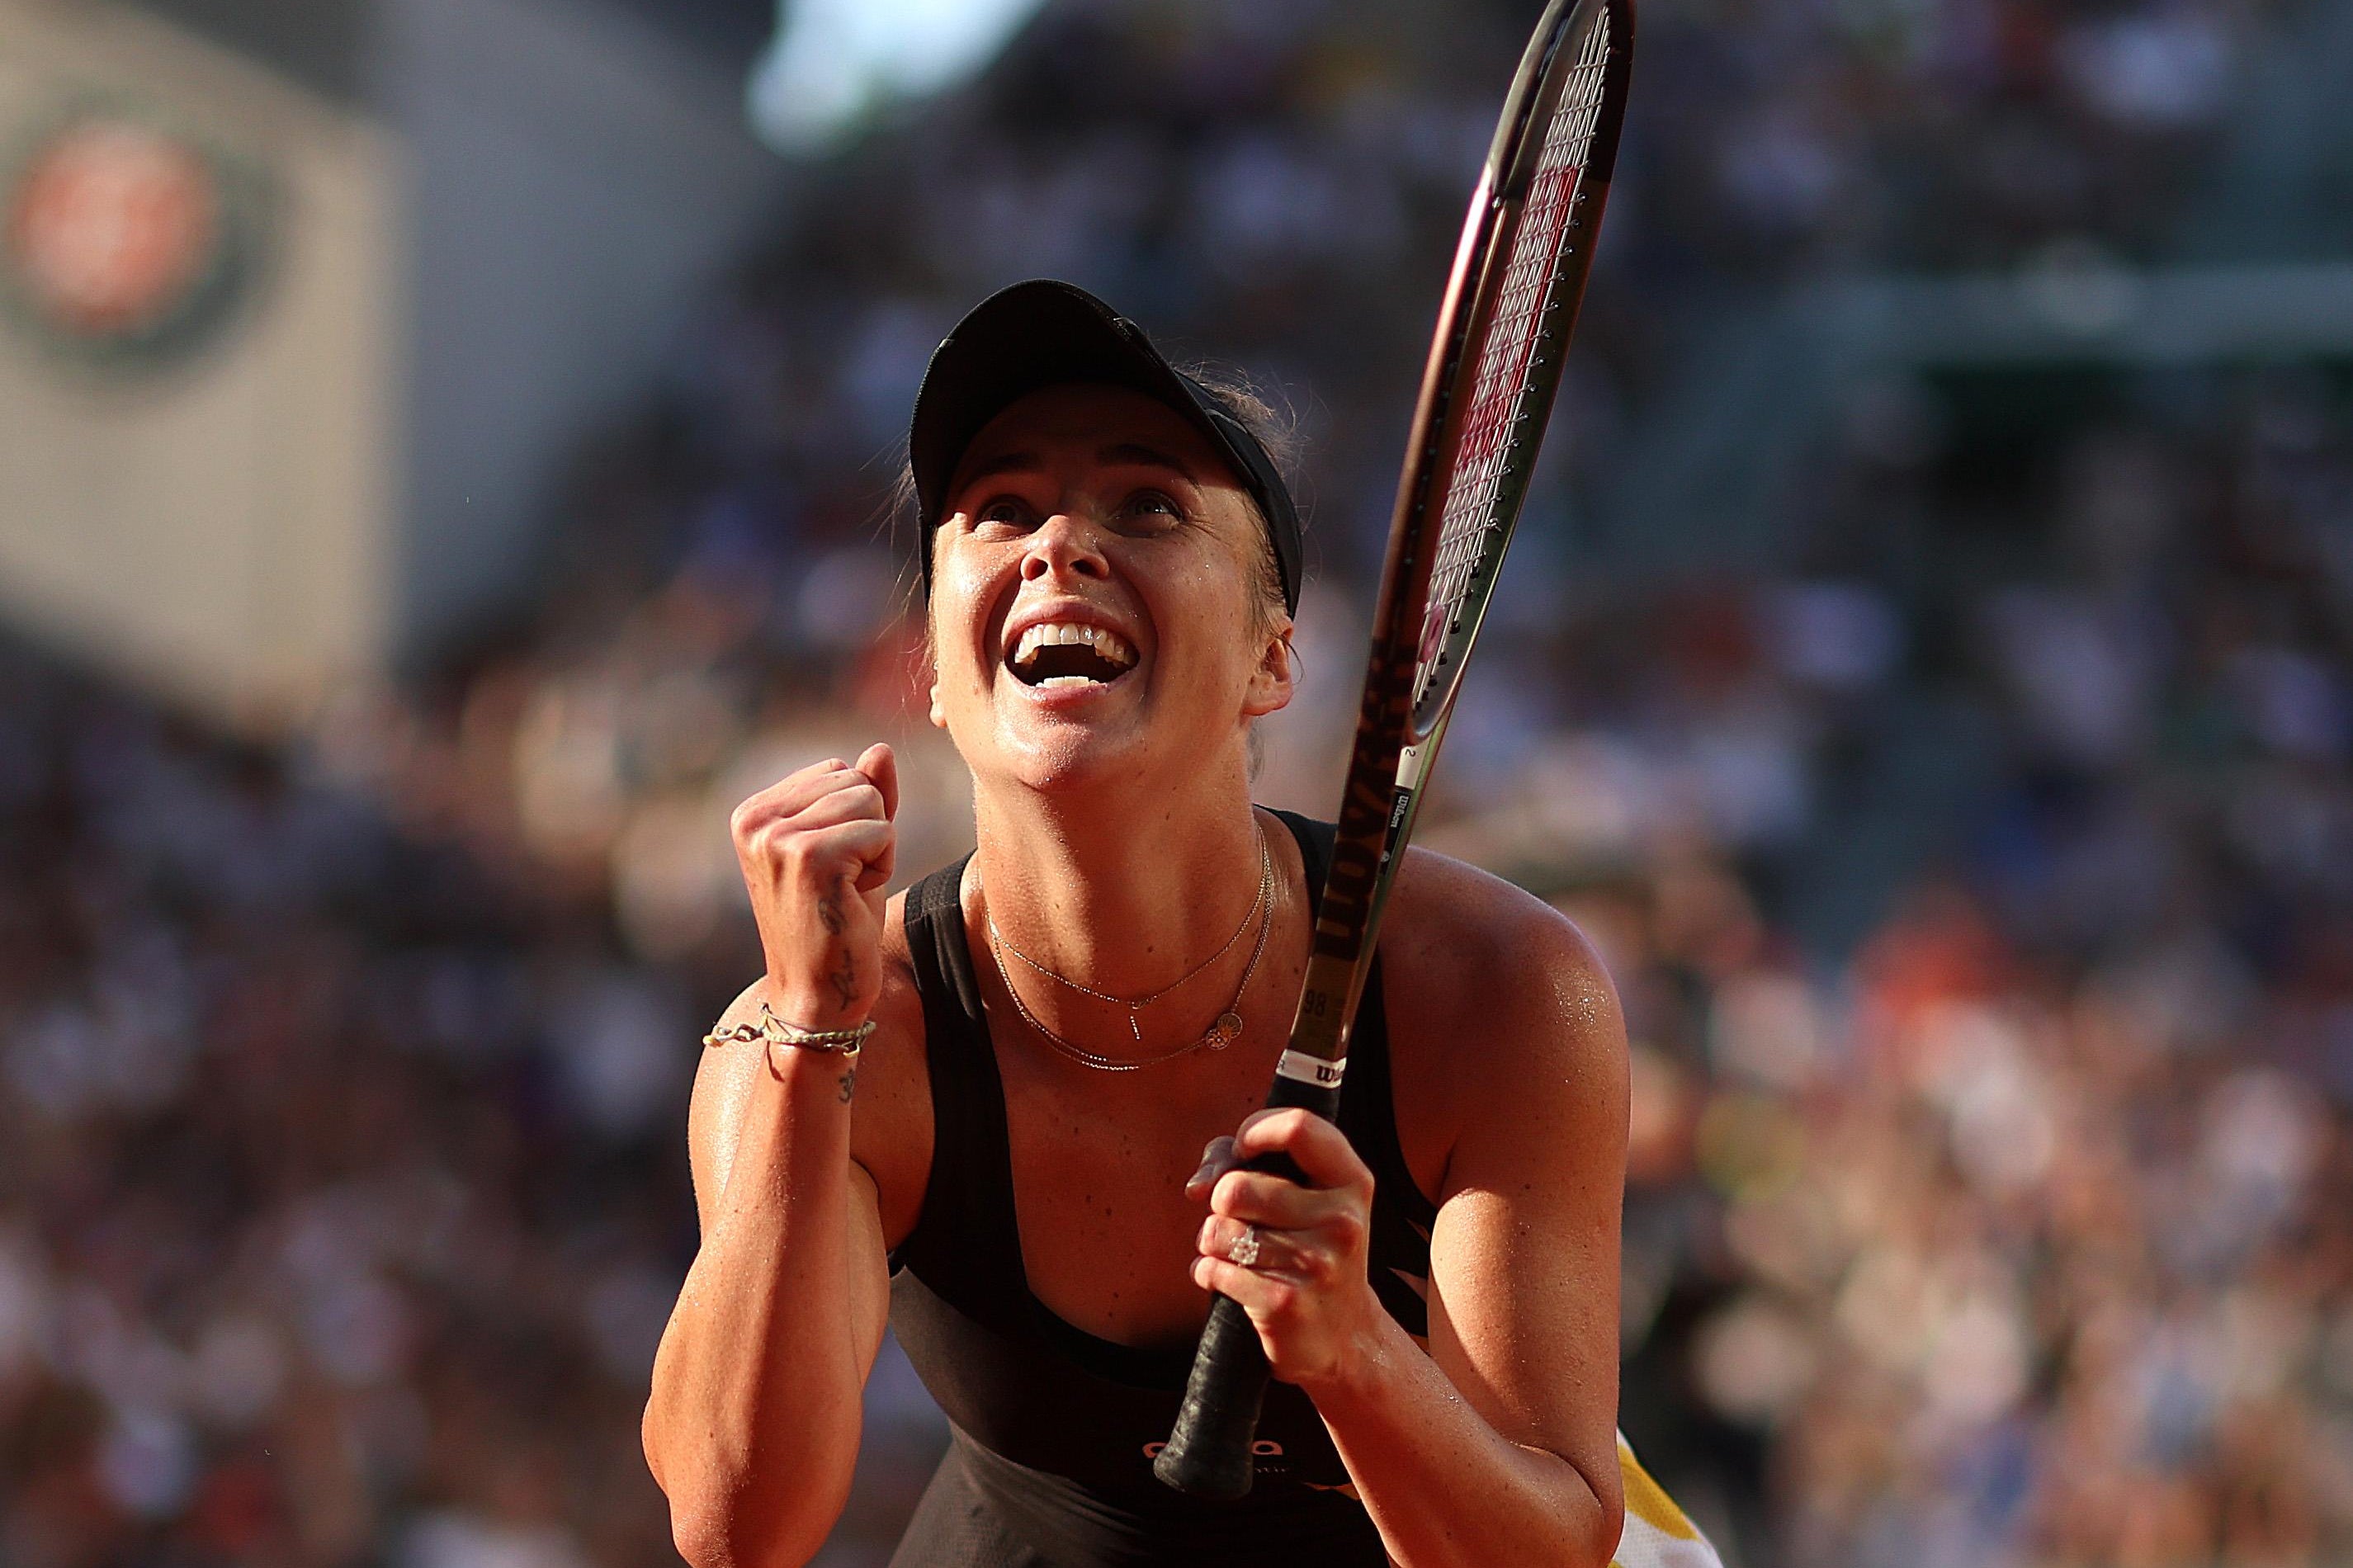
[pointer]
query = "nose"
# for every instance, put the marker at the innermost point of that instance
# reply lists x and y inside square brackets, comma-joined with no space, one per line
[1065,545]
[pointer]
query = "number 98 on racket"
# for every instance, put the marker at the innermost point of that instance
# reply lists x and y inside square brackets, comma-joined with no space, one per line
[1503,329]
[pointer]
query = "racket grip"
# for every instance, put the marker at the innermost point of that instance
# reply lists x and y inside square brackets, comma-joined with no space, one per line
[1208,1455]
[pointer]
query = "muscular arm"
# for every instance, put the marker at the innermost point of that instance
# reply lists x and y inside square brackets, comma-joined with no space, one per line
[754,1421]
[752,1424]
[1498,1446]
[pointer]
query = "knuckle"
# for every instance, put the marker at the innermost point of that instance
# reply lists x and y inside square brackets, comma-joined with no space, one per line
[761,850]
[1350,1228]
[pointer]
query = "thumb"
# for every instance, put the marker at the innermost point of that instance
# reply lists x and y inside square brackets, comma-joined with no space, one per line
[1216,1161]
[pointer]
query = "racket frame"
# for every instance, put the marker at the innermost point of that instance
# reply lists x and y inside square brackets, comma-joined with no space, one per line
[1397,736]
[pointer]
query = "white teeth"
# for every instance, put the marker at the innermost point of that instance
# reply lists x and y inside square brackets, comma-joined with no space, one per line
[1109,643]
[1065,680]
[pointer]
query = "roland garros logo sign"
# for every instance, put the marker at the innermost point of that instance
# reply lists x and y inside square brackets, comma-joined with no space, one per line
[124,242]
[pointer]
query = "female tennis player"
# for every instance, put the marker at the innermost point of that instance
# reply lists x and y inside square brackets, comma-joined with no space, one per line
[1000,1109]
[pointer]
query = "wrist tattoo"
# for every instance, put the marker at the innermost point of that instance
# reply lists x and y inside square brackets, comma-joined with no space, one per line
[845,980]
[848,1084]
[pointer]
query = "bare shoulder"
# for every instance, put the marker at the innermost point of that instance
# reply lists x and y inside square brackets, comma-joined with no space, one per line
[890,1135]
[1501,1014]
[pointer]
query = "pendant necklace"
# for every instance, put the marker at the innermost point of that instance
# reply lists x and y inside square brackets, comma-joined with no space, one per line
[1224,1032]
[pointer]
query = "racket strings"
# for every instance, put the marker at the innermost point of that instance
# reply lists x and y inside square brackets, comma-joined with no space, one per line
[1510,356]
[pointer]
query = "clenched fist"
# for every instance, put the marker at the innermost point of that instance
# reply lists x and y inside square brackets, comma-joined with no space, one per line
[817,851]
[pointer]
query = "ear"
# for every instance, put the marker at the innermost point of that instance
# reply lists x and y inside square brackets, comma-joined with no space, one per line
[1274,682]
[931,672]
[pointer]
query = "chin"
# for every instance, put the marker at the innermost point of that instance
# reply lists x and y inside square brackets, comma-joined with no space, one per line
[1069,759]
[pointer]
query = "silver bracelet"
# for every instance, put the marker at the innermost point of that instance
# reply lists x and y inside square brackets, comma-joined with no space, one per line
[774,1031]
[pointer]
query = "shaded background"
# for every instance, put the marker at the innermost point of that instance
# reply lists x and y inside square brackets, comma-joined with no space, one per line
[440,453]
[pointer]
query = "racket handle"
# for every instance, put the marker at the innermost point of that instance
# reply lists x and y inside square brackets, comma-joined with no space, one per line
[1209,1454]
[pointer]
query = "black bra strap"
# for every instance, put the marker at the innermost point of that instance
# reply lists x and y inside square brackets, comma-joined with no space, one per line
[1314,841]
[965,1242]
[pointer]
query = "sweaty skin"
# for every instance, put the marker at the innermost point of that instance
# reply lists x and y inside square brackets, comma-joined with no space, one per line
[1117,846]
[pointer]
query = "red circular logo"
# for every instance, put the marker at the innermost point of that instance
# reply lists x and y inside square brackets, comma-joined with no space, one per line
[113,226]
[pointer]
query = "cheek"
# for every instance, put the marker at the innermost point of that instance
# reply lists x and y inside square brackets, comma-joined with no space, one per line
[956,619]
[1218,651]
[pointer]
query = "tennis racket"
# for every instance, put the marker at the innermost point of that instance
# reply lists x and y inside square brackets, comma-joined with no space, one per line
[1502,331]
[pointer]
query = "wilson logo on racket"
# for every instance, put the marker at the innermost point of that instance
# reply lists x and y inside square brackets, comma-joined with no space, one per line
[1349,885]
[1304,1068]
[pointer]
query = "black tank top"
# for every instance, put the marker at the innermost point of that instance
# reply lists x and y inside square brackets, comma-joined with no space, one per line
[1054,1428]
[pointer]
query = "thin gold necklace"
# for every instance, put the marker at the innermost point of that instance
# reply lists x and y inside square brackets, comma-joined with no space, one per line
[1223,1032]
[1134,1008]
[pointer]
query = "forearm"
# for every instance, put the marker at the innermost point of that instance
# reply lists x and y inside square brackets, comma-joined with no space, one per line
[1442,1486]
[752,1424]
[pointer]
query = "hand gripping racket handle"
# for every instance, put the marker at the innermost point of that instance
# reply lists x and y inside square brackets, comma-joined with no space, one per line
[1209,1454]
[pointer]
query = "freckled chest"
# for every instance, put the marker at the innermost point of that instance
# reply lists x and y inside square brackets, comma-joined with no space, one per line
[1099,1170]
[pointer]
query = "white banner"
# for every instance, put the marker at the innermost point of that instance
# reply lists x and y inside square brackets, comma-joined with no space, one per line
[198,267]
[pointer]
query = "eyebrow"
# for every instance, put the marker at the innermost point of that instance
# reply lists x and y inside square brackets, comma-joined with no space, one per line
[1132,453]
[1009,463]
[1126,454]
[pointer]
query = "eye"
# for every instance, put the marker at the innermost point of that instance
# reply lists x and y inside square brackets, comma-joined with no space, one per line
[1003,515]
[1151,511]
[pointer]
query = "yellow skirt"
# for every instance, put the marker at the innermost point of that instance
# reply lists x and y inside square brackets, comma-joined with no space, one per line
[1657,1534]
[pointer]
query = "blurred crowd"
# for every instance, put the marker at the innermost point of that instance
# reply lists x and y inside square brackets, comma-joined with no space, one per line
[2007,1237]
[338,1216]
[1980,881]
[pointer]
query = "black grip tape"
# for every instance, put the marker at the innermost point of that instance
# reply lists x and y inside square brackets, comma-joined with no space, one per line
[1209,1454]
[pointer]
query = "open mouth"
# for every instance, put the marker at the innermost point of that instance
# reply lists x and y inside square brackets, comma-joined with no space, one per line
[1060,653]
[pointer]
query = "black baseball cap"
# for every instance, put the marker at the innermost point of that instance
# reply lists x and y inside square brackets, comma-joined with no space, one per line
[1047,334]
